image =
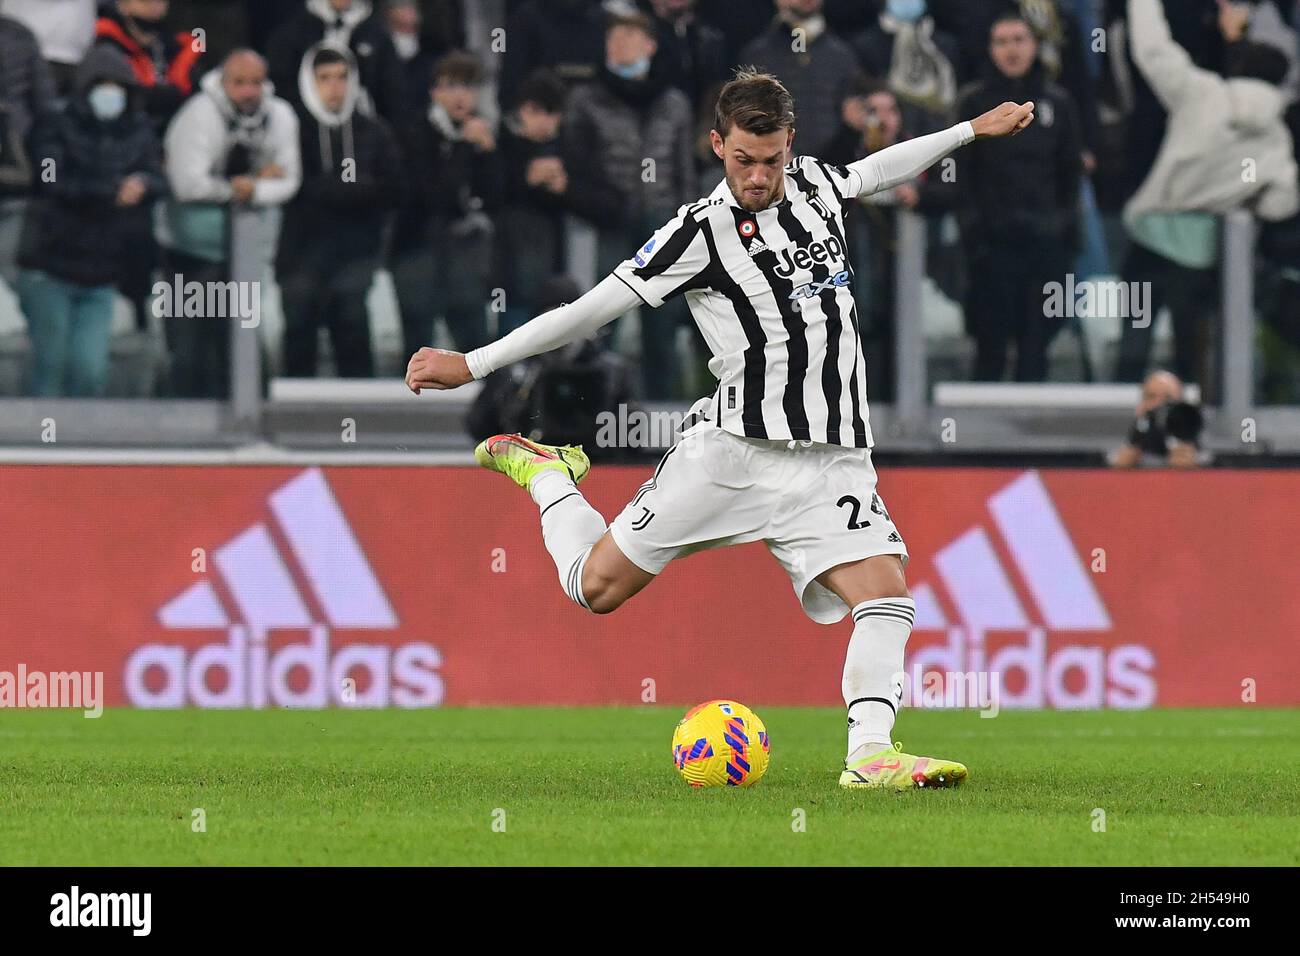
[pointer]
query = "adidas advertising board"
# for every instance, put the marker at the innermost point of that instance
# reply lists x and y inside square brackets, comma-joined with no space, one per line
[260,587]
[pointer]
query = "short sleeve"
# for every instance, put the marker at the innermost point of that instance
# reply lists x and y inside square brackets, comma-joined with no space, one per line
[676,258]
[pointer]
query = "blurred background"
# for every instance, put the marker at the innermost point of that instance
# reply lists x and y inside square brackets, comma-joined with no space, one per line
[225,227]
[483,161]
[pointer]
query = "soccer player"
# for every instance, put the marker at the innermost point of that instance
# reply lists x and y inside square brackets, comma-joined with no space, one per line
[781,451]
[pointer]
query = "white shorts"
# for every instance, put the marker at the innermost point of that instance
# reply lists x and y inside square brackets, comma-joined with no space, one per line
[816,507]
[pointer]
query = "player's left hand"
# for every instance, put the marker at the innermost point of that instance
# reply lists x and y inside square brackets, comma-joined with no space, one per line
[437,369]
[1005,120]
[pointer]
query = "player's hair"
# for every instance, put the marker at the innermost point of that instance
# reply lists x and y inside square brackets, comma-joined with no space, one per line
[326,56]
[1257,61]
[544,89]
[458,66]
[756,102]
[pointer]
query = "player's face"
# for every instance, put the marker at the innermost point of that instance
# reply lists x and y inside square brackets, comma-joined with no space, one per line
[755,165]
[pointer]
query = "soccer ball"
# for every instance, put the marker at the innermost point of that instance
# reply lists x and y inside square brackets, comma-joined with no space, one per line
[720,743]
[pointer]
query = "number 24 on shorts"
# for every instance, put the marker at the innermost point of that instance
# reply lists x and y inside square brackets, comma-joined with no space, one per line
[854,506]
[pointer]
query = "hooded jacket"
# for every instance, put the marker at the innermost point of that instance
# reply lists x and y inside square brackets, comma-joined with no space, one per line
[74,228]
[361,30]
[1217,129]
[200,142]
[175,57]
[351,178]
[1022,188]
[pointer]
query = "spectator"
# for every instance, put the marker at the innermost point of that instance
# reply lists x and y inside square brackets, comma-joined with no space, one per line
[739,21]
[26,94]
[333,229]
[442,27]
[350,23]
[1217,128]
[1192,26]
[916,60]
[265,17]
[629,135]
[1015,247]
[166,66]
[530,225]
[218,26]
[850,17]
[816,66]
[564,36]
[1279,249]
[232,144]
[872,121]
[108,167]
[65,29]
[1061,47]
[402,19]
[691,55]
[1166,429]
[1268,24]
[442,243]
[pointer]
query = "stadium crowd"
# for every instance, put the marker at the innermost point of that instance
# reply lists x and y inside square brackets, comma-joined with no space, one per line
[448,142]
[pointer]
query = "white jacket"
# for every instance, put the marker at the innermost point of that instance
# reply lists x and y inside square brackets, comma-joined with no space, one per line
[202,134]
[1226,144]
[65,29]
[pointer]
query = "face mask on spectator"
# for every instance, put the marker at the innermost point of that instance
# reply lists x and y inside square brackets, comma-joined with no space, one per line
[905,10]
[107,101]
[406,44]
[636,70]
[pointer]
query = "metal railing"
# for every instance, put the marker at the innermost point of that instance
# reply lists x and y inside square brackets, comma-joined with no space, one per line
[912,423]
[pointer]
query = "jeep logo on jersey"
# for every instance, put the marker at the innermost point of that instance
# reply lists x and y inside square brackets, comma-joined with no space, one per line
[812,289]
[805,257]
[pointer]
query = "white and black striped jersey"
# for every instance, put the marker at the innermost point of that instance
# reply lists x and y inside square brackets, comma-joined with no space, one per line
[770,293]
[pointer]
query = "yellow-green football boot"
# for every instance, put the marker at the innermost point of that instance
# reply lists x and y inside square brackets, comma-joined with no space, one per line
[522,460]
[894,770]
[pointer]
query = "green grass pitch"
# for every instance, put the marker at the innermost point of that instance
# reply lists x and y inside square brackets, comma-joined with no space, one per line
[596,786]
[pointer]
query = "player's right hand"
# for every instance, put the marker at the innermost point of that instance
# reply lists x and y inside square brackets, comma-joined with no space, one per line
[438,369]
[1005,120]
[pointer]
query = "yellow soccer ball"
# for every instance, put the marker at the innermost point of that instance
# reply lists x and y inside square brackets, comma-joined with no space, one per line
[720,743]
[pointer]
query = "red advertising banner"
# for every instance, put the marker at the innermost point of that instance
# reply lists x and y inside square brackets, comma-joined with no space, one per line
[414,587]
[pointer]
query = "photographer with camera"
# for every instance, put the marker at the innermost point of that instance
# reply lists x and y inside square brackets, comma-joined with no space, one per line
[1166,431]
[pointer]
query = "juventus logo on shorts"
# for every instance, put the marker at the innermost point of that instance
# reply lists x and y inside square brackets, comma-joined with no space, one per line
[646,517]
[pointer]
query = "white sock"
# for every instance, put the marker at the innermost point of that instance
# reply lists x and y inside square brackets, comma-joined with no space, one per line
[873,672]
[570,527]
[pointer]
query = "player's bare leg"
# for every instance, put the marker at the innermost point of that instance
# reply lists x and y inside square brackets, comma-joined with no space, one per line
[593,571]
[883,614]
[609,578]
